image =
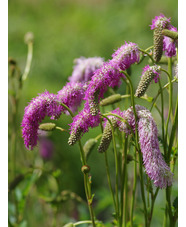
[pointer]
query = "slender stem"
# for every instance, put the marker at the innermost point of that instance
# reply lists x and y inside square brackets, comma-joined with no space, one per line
[152,204]
[28,61]
[170,99]
[109,181]
[108,176]
[86,180]
[145,52]
[159,92]
[124,182]
[116,167]
[133,191]
[162,118]
[174,127]
[138,148]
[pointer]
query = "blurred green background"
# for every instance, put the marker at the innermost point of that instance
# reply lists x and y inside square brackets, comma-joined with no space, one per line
[64,30]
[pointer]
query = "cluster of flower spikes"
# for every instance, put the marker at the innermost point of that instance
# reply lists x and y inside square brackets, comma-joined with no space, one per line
[72,95]
[162,43]
[149,73]
[155,166]
[84,68]
[106,76]
[45,104]
[109,74]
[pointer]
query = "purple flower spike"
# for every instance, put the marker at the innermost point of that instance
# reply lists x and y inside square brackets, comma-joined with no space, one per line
[155,166]
[81,124]
[84,68]
[45,104]
[125,56]
[161,21]
[71,95]
[169,45]
[106,76]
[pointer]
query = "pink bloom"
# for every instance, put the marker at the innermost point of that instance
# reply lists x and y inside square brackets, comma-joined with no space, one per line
[160,21]
[84,68]
[169,45]
[45,104]
[126,55]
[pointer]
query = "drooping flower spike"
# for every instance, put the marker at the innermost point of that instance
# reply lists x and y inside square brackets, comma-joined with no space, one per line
[106,76]
[81,124]
[84,68]
[125,56]
[155,166]
[149,73]
[169,45]
[45,104]
[158,24]
[72,95]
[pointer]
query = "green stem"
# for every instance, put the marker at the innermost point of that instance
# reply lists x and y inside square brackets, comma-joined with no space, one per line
[138,148]
[159,92]
[109,181]
[174,127]
[145,52]
[170,98]
[116,167]
[133,191]
[162,118]
[86,180]
[124,182]
[28,61]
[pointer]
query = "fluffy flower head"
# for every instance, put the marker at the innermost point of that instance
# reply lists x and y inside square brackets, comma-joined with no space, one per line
[126,55]
[169,45]
[84,68]
[81,124]
[106,76]
[160,21]
[71,95]
[45,104]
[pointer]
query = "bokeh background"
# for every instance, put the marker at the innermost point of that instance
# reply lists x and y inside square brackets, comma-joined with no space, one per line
[64,30]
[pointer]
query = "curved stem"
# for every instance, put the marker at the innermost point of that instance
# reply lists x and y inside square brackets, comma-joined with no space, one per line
[145,52]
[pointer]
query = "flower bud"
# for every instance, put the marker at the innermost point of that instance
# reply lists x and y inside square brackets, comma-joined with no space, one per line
[158,44]
[149,73]
[47,126]
[110,100]
[29,37]
[85,169]
[74,137]
[107,135]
